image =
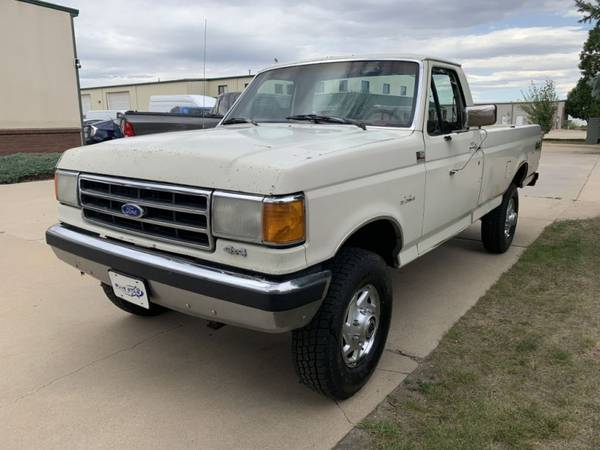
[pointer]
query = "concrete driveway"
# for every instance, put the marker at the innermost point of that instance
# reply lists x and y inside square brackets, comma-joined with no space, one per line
[75,372]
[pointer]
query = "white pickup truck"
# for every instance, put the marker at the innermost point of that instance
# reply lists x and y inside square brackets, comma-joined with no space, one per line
[288,215]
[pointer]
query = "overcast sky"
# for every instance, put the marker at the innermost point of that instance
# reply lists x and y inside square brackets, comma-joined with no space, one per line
[503,45]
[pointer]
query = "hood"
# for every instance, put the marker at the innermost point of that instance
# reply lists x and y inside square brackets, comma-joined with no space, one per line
[264,159]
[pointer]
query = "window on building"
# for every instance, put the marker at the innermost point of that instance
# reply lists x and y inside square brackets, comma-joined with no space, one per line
[289,89]
[279,88]
[343,86]
[364,86]
[222,89]
[386,88]
[403,91]
[320,87]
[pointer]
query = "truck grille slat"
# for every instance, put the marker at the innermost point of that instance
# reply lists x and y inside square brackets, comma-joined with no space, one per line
[174,214]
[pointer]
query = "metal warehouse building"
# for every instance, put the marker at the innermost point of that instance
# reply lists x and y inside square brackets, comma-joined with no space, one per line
[137,96]
[39,101]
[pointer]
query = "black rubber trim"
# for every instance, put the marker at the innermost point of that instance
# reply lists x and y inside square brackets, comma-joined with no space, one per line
[534,179]
[272,302]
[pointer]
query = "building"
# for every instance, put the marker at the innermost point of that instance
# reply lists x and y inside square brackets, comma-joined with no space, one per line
[137,96]
[39,83]
[512,113]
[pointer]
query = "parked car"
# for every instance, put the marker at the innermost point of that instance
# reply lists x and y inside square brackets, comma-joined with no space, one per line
[179,118]
[165,103]
[95,131]
[289,214]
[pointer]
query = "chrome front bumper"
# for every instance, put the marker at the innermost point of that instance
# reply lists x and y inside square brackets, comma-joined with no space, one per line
[270,304]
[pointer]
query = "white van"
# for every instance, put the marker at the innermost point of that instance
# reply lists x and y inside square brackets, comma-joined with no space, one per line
[165,103]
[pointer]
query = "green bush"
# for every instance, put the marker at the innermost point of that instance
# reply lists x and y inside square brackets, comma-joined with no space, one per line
[27,166]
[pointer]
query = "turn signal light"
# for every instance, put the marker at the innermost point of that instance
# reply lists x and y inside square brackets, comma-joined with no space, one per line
[284,221]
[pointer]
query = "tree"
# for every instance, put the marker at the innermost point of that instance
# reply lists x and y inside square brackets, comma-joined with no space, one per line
[590,55]
[541,105]
[580,102]
[590,11]
[583,101]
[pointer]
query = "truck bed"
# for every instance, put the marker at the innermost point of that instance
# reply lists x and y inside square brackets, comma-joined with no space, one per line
[152,122]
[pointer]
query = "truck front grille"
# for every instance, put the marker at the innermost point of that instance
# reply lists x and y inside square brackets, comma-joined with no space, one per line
[174,214]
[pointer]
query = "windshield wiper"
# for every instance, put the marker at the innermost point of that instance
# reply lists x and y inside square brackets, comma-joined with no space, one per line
[317,118]
[233,120]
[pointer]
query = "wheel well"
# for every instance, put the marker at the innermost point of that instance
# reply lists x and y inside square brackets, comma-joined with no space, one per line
[521,175]
[382,237]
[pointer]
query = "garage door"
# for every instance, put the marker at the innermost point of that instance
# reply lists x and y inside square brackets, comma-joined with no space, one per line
[118,100]
[86,103]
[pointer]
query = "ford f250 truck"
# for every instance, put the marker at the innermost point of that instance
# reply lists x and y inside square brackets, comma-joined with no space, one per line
[288,215]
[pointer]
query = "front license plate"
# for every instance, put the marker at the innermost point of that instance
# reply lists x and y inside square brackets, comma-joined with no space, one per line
[129,289]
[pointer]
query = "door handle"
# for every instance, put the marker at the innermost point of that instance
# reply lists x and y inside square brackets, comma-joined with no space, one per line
[448,138]
[473,147]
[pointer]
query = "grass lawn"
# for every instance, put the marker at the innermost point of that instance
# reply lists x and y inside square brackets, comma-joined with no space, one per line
[27,166]
[519,370]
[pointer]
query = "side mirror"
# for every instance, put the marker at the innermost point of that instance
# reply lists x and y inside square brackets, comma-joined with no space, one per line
[480,116]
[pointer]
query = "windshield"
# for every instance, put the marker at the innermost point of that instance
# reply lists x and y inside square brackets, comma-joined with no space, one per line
[379,93]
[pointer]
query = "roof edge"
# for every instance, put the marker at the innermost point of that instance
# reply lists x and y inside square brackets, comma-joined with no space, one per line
[178,80]
[74,12]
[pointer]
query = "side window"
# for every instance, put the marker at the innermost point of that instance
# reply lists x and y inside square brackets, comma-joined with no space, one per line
[449,103]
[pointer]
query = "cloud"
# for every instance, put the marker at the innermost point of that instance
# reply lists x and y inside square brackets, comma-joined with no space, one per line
[121,42]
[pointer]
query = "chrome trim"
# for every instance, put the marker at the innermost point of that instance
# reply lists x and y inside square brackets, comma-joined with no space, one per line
[198,304]
[147,184]
[150,186]
[284,199]
[148,203]
[162,223]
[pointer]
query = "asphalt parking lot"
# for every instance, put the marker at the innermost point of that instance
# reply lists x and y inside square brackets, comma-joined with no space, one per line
[75,372]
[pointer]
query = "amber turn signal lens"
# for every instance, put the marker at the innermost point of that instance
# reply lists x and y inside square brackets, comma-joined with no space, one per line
[283,222]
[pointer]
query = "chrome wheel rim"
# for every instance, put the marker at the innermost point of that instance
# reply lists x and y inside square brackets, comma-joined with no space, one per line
[511,218]
[361,323]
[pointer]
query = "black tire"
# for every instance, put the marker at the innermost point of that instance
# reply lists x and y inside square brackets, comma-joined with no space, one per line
[493,233]
[317,347]
[154,310]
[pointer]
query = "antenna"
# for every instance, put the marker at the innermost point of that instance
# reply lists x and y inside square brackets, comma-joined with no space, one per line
[204,74]
[204,65]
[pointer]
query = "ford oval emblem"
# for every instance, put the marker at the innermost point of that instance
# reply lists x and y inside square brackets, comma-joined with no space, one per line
[133,210]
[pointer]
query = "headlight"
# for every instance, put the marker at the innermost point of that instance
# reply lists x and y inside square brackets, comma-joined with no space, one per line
[65,187]
[276,221]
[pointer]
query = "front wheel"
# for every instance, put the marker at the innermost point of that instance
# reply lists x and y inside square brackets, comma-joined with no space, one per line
[498,227]
[338,351]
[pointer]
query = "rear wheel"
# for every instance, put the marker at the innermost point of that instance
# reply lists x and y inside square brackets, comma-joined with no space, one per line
[154,309]
[498,227]
[338,351]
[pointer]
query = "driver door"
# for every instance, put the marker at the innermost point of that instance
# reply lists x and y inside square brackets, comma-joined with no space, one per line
[449,145]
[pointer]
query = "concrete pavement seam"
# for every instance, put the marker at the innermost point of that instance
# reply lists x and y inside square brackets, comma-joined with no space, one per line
[415,358]
[344,413]
[587,178]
